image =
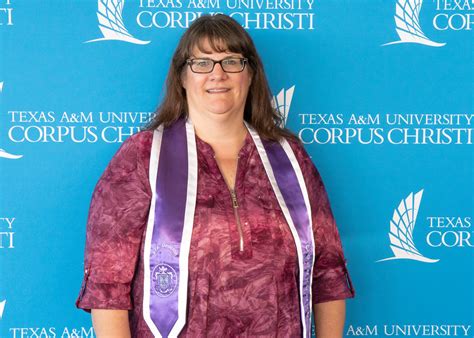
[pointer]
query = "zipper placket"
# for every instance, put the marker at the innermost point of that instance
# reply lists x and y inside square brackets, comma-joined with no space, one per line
[235,206]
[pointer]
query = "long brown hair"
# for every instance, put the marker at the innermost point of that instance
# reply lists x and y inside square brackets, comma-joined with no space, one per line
[223,34]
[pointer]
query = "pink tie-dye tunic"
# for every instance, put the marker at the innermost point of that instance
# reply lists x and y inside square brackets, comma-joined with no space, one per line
[231,292]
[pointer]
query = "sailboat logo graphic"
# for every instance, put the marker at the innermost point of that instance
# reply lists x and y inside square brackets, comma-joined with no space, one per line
[109,14]
[401,230]
[282,102]
[407,22]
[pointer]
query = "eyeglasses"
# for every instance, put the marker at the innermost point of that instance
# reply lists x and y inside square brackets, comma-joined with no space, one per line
[229,65]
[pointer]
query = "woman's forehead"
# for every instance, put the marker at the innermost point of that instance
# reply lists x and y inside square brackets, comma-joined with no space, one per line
[214,46]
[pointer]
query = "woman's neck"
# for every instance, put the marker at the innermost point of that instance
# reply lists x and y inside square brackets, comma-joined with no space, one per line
[225,135]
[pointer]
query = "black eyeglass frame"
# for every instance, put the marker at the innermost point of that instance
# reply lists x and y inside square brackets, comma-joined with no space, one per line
[243,61]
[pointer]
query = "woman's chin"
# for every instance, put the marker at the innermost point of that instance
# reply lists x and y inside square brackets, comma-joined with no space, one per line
[221,111]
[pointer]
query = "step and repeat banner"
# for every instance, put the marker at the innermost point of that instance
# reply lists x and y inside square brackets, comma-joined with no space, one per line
[380,92]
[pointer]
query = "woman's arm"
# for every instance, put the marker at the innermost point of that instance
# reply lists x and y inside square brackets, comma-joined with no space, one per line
[111,323]
[329,318]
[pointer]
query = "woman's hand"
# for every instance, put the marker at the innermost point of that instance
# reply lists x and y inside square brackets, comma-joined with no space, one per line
[111,323]
[329,319]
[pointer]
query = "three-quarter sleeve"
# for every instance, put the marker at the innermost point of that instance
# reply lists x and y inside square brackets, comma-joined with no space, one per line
[331,279]
[117,218]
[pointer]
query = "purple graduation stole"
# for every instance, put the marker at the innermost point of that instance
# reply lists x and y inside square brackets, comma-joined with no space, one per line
[173,180]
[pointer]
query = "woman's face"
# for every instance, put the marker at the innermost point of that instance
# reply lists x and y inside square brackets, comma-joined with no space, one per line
[217,94]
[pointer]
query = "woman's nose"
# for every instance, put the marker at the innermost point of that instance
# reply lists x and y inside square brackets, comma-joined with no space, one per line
[218,71]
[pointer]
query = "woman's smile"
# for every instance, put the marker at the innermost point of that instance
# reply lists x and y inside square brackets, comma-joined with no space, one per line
[217,90]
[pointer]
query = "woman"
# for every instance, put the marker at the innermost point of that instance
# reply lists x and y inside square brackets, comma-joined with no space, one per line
[204,224]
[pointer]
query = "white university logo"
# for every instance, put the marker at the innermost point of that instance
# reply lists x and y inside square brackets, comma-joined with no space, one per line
[282,103]
[109,14]
[4,153]
[407,21]
[2,307]
[401,230]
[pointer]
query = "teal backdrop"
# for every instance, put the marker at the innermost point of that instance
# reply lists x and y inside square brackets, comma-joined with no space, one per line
[380,92]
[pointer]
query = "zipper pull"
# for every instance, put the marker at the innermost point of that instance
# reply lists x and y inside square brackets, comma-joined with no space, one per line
[234,199]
